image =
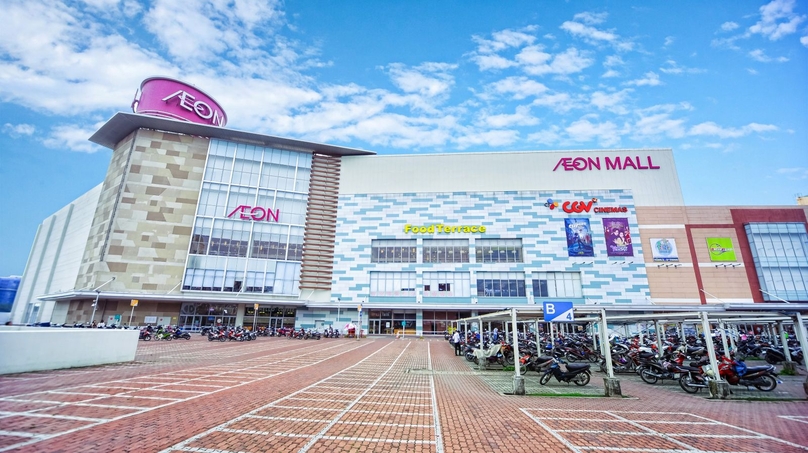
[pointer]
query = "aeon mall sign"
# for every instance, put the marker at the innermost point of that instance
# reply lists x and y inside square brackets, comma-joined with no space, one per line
[169,98]
[579,163]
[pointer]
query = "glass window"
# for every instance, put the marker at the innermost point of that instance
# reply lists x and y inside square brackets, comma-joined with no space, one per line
[557,284]
[392,284]
[201,236]
[393,251]
[780,253]
[447,284]
[498,250]
[446,250]
[501,284]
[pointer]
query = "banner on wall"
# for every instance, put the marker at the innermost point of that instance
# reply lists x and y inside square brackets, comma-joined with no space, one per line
[721,249]
[618,237]
[664,249]
[579,237]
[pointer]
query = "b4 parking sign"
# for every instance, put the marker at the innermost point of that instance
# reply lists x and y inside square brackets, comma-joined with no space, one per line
[558,312]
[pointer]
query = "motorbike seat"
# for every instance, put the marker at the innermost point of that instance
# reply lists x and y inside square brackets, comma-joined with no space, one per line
[696,350]
[544,358]
[577,366]
[690,368]
[647,355]
[753,369]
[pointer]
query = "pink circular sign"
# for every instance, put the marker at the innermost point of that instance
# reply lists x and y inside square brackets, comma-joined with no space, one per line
[169,98]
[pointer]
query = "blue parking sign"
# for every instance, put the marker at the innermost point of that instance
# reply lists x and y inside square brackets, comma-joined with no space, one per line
[558,312]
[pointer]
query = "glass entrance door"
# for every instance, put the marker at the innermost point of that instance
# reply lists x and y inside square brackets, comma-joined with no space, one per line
[375,327]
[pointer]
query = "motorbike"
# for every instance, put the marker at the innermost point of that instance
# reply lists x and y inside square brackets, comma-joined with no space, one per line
[695,377]
[577,373]
[653,372]
[761,377]
[181,335]
[217,334]
[773,356]
[491,356]
[145,335]
[161,334]
[533,362]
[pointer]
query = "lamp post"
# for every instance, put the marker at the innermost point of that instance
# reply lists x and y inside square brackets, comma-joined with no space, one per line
[338,306]
[97,294]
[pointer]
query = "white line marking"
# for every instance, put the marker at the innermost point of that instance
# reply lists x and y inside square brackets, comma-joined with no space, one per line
[434,399]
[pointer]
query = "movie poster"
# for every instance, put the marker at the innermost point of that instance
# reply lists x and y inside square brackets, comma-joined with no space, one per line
[579,237]
[664,249]
[618,237]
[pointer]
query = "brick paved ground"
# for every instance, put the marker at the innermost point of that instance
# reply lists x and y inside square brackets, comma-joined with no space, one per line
[381,394]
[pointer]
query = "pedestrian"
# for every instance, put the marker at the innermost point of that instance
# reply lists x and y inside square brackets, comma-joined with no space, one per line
[456,341]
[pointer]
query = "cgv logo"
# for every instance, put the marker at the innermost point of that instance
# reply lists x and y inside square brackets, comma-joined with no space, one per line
[576,207]
[256,213]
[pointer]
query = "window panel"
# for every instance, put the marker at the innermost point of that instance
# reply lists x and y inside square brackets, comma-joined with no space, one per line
[392,251]
[498,250]
[500,284]
[390,284]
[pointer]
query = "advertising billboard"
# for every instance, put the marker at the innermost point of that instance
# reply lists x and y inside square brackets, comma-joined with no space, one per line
[618,237]
[721,249]
[664,249]
[579,237]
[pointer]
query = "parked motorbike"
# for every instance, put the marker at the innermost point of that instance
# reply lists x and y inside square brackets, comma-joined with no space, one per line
[181,335]
[145,335]
[761,377]
[577,373]
[695,377]
[774,356]
[492,355]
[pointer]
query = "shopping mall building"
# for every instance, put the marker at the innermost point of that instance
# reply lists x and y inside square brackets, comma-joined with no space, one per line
[197,224]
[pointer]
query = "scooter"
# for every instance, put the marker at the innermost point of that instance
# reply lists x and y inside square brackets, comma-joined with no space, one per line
[774,356]
[577,373]
[145,335]
[762,377]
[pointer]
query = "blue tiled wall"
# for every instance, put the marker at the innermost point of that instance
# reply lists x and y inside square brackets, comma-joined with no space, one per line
[524,215]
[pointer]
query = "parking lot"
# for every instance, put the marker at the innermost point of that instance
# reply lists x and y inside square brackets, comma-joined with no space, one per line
[376,394]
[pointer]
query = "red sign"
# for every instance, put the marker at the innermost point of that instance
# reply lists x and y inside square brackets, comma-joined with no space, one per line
[256,213]
[577,207]
[612,163]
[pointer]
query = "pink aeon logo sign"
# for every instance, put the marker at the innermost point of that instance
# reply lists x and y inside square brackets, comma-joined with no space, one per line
[255,213]
[169,98]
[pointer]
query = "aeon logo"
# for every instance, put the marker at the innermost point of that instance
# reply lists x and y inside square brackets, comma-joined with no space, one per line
[256,213]
[202,109]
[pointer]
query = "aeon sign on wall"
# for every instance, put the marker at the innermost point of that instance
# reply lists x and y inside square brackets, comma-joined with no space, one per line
[579,163]
[256,213]
[169,98]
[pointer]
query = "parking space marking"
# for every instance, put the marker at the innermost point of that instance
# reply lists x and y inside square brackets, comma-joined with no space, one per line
[795,418]
[641,420]
[361,388]
[290,364]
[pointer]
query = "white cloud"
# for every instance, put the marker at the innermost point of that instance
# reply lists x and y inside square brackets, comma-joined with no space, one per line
[777,19]
[711,129]
[428,79]
[651,79]
[729,26]
[520,87]
[658,125]
[673,68]
[605,133]
[612,102]
[521,117]
[504,39]
[548,136]
[668,41]
[591,18]
[804,41]
[18,130]
[587,33]
[72,137]
[536,62]
[794,173]
[488,138]
[760,55]
[751,71]
[486,62]
[559,102]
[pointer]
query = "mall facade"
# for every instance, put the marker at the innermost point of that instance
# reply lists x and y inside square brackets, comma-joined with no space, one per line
[197,224]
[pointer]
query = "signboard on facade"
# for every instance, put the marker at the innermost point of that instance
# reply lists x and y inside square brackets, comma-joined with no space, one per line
[558,312]
[664,249]
[618,237]
[169,98]
[721,249]
[579,237]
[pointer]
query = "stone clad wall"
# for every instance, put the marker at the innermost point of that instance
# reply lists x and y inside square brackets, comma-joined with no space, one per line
[151,213]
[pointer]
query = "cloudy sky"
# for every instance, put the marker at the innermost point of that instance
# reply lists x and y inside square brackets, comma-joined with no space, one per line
[724,84]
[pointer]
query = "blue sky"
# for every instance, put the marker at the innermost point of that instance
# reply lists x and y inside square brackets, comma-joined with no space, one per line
[724,84]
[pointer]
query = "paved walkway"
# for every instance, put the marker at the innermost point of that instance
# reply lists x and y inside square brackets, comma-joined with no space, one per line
[340,395]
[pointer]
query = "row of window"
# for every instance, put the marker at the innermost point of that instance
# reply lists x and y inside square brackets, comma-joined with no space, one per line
[256,166]
[446,251]
[222,237]
[238,275]
[780,254]
[487,284]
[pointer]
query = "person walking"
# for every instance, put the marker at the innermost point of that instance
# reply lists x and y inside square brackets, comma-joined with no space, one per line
[456,341]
